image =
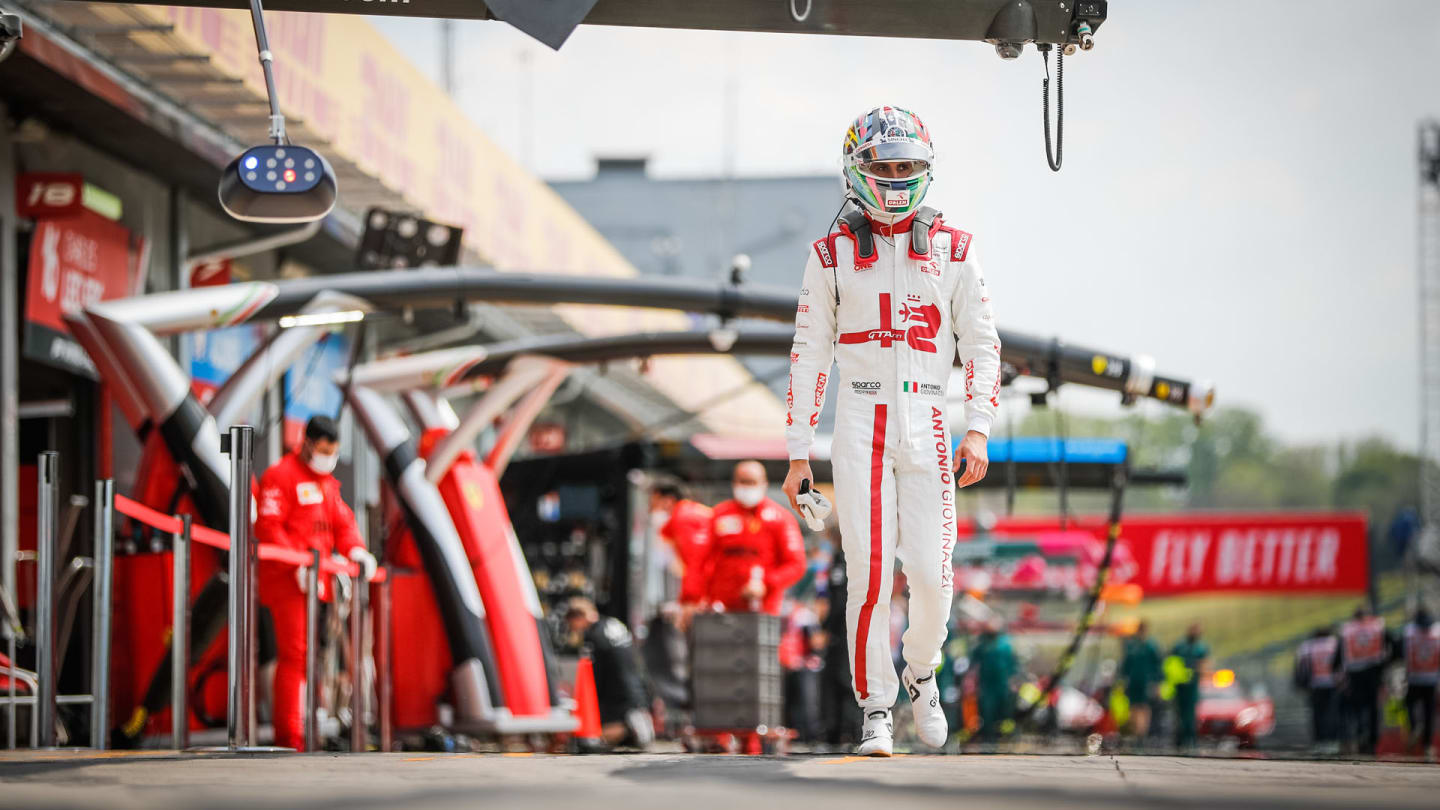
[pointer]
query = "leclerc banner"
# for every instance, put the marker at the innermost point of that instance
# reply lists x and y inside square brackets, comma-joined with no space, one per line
[1256,552]
[75,261]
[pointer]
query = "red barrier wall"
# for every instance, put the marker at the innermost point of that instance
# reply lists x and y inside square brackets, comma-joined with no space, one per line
[420,660]
[143,586]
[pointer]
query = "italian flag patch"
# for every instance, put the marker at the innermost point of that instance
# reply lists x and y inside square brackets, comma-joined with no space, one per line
[912,387]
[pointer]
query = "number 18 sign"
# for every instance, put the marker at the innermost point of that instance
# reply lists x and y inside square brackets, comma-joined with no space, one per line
[45,195]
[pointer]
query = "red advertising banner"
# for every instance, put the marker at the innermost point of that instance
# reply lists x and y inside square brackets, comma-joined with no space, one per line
[1324,552]
[47,194]
[211,274]
[74,262]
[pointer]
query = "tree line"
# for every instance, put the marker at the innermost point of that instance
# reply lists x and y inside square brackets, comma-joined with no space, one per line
[1232,461]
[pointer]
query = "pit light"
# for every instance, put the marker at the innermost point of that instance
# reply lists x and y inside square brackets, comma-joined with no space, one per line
[278,183]
[1223,678]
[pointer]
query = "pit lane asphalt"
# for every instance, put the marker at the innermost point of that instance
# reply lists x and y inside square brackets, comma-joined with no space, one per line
[47,779]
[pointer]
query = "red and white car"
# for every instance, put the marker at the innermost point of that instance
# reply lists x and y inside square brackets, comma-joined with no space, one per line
[1227,712]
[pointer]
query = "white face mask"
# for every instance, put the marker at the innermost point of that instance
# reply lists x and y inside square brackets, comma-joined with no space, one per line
[323,464]
[659,517]
[749,496]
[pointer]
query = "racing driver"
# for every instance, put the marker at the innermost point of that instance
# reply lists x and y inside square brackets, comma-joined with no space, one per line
[891,296]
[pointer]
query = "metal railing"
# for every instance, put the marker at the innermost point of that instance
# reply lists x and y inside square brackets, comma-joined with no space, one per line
[42,698]
[244,553]
[244,565]
[180,638]
[101,612]
[46,523]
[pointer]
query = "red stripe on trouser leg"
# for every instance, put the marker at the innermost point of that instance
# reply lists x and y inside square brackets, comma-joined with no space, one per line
[872,591]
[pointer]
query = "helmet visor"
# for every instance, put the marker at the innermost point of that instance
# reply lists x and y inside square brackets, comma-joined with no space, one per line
[904,169]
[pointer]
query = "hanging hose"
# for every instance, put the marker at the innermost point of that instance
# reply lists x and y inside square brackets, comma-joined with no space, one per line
[1102,575]
[267,59]
[1056,157]
[1062,469]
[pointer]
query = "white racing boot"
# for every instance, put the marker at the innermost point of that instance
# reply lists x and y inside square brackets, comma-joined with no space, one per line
[930,723]
[878,738]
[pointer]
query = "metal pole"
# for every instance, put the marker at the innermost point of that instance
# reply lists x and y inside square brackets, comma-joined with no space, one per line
[252,621]
[382,661]
[240,248]
[179,265]
[357,661]
[1427,543]
[242,592]
[312,650]
[180,640]
[101,598]
[9,375]
[447,57]
[46,519]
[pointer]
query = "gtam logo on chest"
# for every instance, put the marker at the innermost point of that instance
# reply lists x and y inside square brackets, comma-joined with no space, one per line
[926,320]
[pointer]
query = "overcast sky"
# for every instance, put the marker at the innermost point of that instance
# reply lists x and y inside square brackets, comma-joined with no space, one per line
[1238,195]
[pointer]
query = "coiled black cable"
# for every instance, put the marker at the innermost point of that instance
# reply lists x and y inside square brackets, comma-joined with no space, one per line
[1058,156]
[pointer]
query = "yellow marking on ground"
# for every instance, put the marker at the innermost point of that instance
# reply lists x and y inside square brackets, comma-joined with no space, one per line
[519,754]
[49,756]
[417,759]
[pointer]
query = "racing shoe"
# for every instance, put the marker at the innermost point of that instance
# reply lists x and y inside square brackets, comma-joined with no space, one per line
[925,703]
[878,738]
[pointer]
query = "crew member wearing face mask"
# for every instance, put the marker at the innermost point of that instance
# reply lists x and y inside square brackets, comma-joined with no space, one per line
[300,508]
[756,551]
[685,524]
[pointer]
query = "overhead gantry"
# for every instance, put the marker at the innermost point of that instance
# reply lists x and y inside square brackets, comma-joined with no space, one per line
[124,339]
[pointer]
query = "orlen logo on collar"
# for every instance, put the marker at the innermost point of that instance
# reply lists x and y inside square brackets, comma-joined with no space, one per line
[895,199]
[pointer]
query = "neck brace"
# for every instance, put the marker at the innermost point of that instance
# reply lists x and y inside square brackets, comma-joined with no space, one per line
[861,228]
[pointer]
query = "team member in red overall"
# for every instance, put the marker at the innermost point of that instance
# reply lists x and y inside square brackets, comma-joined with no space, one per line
[755,547]
[301,509]
[686,525]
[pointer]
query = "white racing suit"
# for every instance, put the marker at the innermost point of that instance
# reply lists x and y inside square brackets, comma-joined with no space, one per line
[893,325]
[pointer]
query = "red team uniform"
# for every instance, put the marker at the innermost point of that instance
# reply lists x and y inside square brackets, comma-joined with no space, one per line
[299,509]
[688,529]
[741,539]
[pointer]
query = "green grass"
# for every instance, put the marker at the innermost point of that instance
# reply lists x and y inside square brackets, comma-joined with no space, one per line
[1235,625]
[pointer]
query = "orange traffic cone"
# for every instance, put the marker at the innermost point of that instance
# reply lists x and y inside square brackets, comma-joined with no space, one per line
[753,746]
[587,705]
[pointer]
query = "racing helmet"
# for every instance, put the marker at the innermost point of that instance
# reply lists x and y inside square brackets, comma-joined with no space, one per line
[887,162]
